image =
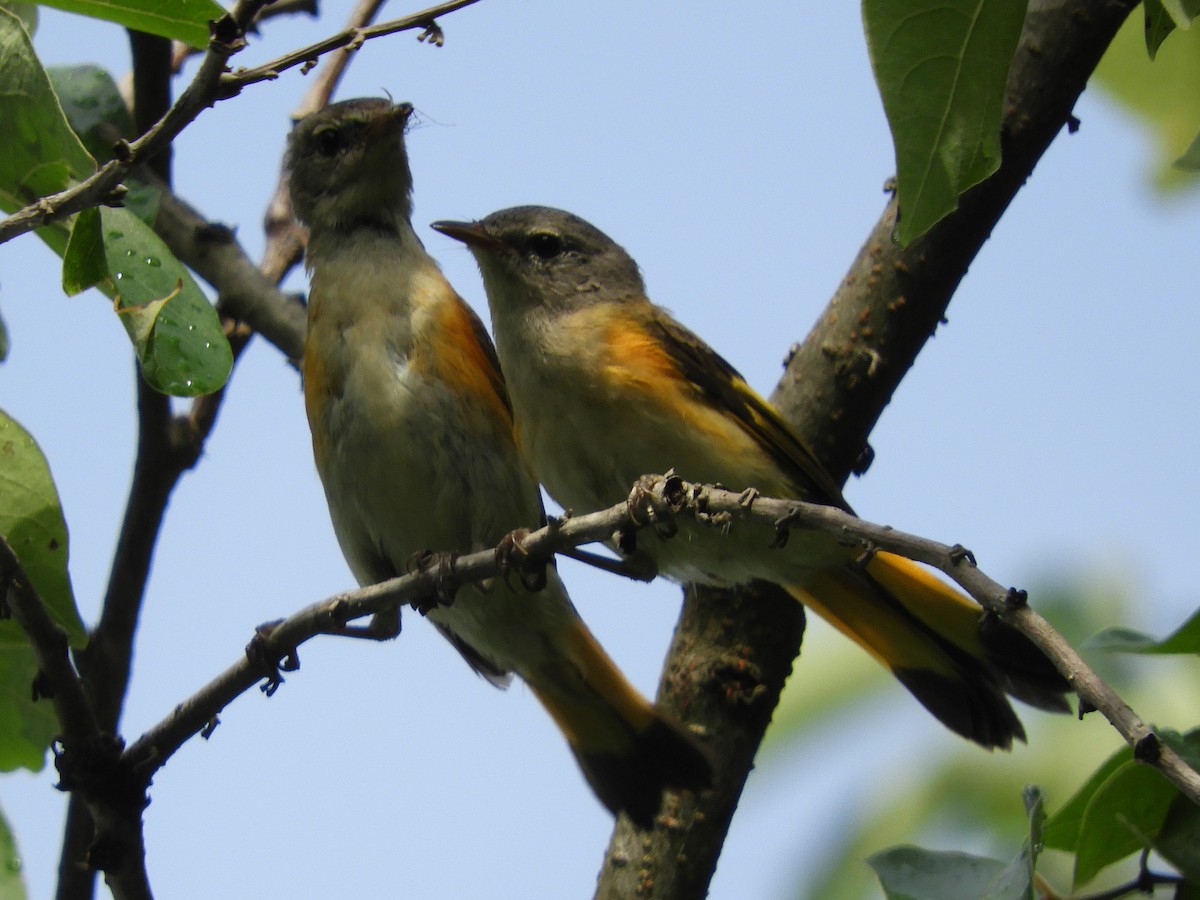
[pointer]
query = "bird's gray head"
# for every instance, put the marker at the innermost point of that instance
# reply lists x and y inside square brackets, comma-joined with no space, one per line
[347,167]
[535,255]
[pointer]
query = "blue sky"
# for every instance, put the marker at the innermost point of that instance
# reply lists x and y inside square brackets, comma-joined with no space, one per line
[1049,426]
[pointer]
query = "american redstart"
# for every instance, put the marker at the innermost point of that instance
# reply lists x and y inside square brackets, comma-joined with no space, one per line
[413,438]
[607,387]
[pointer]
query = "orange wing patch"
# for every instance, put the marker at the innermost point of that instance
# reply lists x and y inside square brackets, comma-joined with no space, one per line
[643,369]
[464,358]
[320,383]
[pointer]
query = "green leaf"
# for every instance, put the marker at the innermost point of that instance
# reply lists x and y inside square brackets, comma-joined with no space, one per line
[1157,24]
[1179,840]
[941,67]
[1185,639]
[1017,880]
[93,105]
[180,20]
[42,155]
[1063,828]
[28,14]
[1182,12]
[31,521]
[26,727]
[174,329]
[84,262]
[182,348]
[1161,94]
[96,110]
[911,873]
[1124,812]
[3,340]
[178,337]
[1190,161]
[12,884]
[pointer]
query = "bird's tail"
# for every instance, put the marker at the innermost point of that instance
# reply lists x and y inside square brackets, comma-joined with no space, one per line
[629,751]
[939,645]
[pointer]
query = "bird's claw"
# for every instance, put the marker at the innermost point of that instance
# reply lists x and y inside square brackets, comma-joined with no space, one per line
[511,556]
[270,659]
[441,565]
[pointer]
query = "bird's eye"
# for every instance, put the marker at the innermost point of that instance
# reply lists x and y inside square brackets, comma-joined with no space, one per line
[329,141]
[545,245]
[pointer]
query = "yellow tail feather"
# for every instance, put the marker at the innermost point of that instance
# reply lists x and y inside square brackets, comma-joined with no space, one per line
[930,637]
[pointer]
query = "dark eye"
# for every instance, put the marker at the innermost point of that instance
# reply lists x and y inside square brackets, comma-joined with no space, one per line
[329,141]
[545,245]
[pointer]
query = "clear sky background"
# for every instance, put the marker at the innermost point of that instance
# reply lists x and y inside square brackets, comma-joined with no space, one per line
[739,155]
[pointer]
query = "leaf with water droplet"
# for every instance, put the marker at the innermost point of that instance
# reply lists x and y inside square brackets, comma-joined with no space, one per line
[139,320]
[179,340]
[175,331]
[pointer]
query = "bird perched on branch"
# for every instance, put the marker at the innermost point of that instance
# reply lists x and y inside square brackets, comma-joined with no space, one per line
[413,438]
[607,387]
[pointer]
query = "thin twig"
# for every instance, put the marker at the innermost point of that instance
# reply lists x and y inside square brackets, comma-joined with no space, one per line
[211,84]
[350,39]
[190,717]
[198,96]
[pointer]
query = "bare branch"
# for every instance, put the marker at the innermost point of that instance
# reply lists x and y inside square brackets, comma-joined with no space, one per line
[211,84]
[720,508]
[243,290]
[282,639]
[62,685]
[88,760]
[654,500]
[349,39]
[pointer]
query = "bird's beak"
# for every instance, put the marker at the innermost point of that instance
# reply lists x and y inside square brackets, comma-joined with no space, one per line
[394,118]
[473,234]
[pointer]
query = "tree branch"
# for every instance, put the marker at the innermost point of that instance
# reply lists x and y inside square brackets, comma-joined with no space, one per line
[704,664]
[893,298]
[211,84]
[350,39]
[229,38]
[721,508]
[838,383]
[244,292]
[86,758]
[280,640]
[104,664]
[61,684]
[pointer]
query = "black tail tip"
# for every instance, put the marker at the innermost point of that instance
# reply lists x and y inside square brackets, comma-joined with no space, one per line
[663,756]
[970,705]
